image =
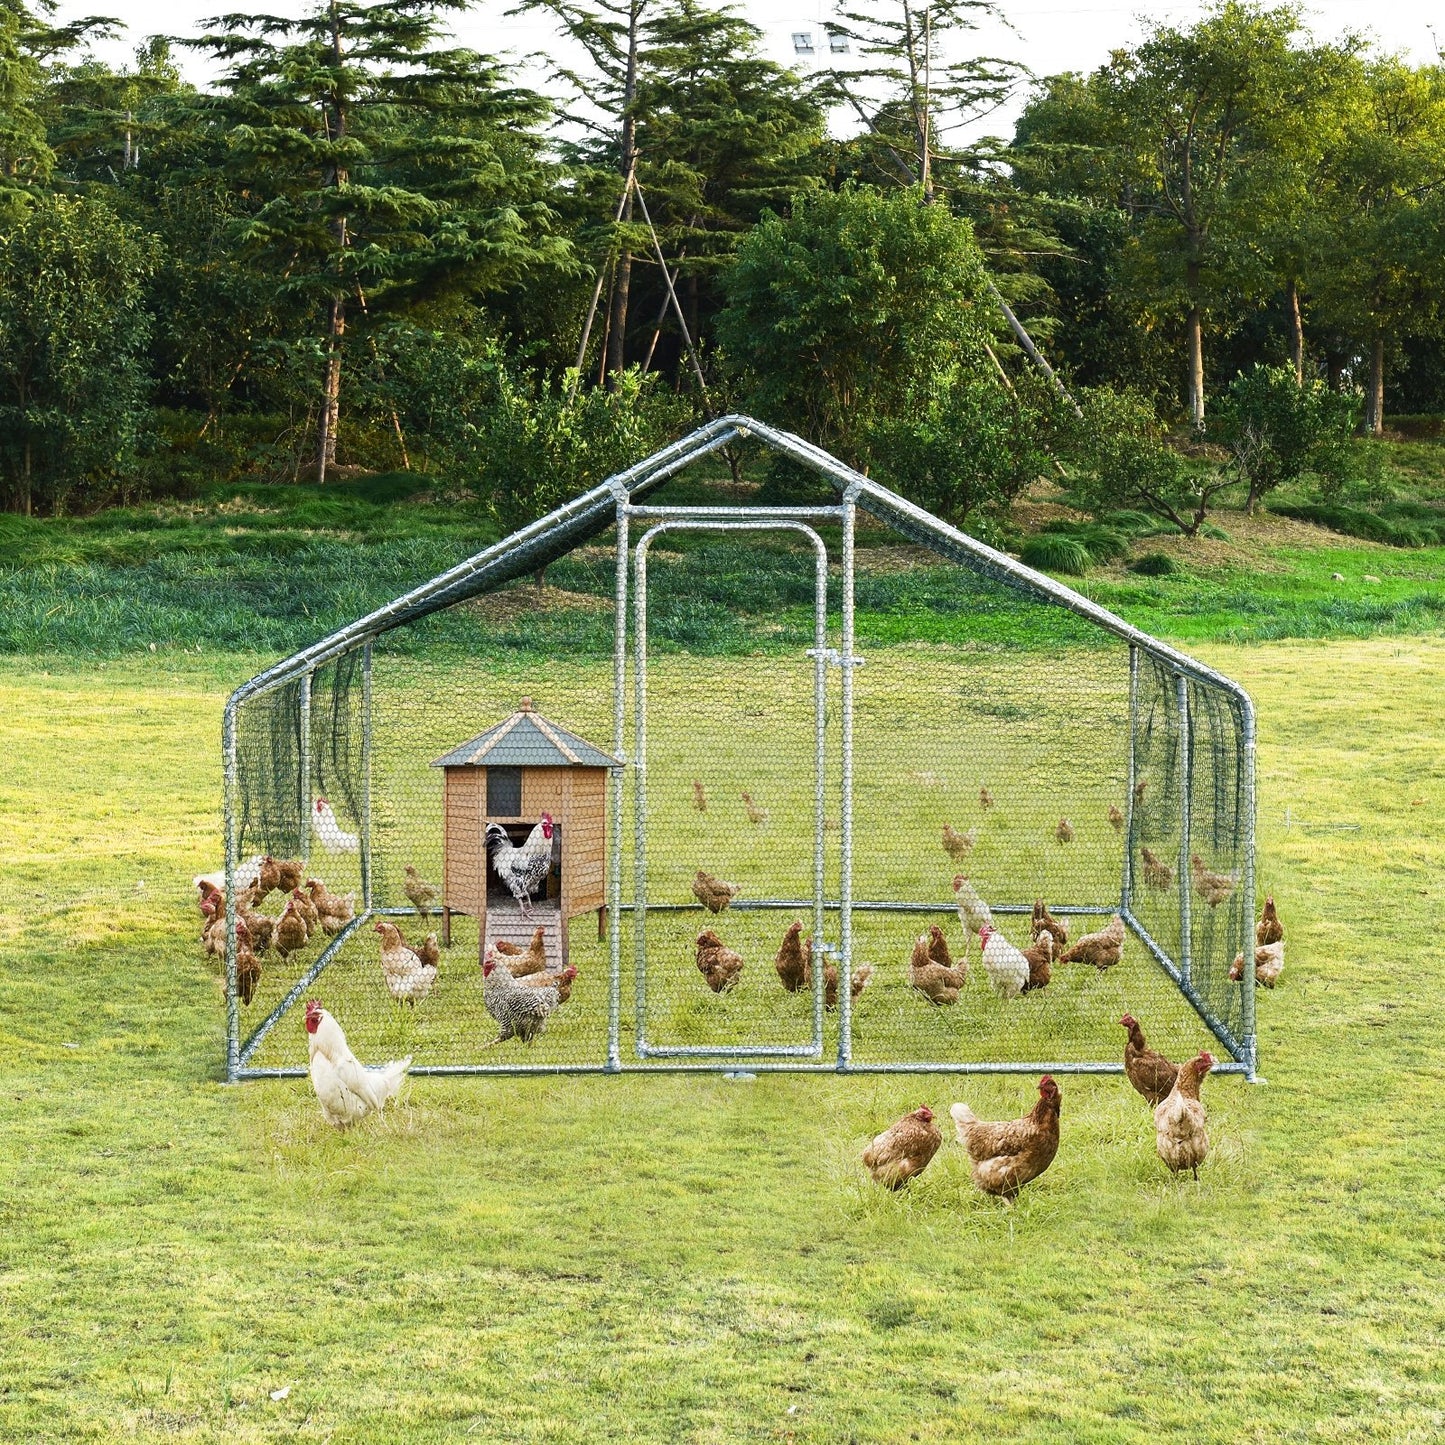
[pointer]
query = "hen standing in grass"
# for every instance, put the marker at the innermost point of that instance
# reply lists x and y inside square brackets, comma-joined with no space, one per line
[938,982]
[1268,964]
[345,1089]
[713,893]
[332,836]
[521,1012]
[421,893]
[334,910]
[1269,929]
[290,933]
[717,963]
[1212,887]
[903,1152]
[1008,1156]
[1040,956]
[958,845]
[1179,1132]
[1158,875]
[408,978]
[973,912]
[1007,968]
[794,960]
[562,982]
[1151,1074]
[523,962]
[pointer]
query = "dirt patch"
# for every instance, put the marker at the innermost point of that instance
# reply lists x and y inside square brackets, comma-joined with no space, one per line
[527,600]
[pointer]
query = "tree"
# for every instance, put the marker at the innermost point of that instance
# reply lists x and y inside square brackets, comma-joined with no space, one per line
[73,332]
[610,32]
[1381,201]
[1278,428]
[907,95]
[1122,459]
[838,313]
[1184,113]
[967,443]
[380,161]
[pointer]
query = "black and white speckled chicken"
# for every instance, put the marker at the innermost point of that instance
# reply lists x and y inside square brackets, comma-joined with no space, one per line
[521,1012]
[524,870]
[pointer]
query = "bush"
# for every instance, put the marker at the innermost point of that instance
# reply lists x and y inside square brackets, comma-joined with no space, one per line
[1153,564]
[1103,544]
[965,445]
[1122,462]
[1277,429]
[1401,525]
[1056,552]
[836,313]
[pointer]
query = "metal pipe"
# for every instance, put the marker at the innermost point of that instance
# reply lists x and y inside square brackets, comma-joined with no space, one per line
[1247,1017]
[366,740]
[797,514]
[1216,1026]
[618,782]
[1186,829]
[762,1067]
[820,777]
[1126,885]
[231,771]
[749,523]
[639,791]
[863,905]
[300,986]
[845,862]
[303,766]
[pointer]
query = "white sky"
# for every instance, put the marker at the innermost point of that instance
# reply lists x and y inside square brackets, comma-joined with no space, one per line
[1049,36]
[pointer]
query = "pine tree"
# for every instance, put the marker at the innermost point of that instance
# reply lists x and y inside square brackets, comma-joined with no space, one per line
[383,165]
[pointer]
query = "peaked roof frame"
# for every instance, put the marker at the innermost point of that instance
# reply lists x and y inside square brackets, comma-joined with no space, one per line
[549,538]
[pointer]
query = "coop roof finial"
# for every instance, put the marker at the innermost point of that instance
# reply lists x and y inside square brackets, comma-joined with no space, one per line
[526,705]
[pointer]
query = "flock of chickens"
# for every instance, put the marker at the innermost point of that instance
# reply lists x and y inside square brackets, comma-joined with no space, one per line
[1006,1156]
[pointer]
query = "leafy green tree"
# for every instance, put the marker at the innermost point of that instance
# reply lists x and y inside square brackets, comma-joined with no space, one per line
[73,333]
[839,312]
[1121,459]
[1382,202]
[967,443]
[1174,131]
[1277,428]
[906,95]
[380,162]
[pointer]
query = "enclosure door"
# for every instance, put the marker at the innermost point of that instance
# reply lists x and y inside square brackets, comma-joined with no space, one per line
[730,794]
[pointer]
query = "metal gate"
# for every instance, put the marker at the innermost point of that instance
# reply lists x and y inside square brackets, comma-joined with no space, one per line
[817,858]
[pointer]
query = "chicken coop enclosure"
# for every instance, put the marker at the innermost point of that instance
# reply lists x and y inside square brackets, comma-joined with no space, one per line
[822,714]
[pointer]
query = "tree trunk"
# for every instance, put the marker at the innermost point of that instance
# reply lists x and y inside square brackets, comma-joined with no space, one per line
[1196,367]
[1376,411]
[27,494]
[331,391]
[622,277]
[1296,333]
[1334,370]
[1252,500]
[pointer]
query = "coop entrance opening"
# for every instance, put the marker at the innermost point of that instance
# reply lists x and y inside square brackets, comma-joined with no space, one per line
[700,819]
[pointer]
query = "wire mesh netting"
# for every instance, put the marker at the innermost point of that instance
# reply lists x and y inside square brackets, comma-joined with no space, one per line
[996,736]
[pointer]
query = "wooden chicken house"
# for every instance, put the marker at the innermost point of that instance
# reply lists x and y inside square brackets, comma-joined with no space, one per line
[510,775]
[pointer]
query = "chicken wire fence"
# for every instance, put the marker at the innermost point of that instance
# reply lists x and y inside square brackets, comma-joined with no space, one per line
[816,715]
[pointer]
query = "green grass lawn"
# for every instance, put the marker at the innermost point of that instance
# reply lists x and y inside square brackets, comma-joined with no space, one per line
[665,1259]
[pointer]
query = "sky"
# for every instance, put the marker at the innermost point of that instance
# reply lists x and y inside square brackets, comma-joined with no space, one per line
[1048,36]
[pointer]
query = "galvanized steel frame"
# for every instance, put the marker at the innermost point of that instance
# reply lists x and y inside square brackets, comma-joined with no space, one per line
[611,504]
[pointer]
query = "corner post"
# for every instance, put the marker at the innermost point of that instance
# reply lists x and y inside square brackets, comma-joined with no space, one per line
[1247,884]
[619,788]
[231,772]
[1126,884]
[366,869]
[304,768]
[845,872]
[1186,829]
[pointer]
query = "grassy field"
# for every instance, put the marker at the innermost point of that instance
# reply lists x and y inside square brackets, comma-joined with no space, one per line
[258,568]
[662,1259]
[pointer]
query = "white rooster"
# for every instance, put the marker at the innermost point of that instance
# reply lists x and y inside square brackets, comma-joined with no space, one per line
[1007,968]
[333,837]
[524,870]
[345,1088]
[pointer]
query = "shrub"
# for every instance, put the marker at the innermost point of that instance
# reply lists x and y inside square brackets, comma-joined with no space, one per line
[1277,429]
[1153,564]
[1056,552]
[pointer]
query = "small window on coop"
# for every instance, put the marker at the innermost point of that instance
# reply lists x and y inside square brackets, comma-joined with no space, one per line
[838,44]
[802,42]
[504,792]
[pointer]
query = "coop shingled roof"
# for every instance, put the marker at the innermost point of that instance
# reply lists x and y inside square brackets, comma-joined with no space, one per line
[527,740]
